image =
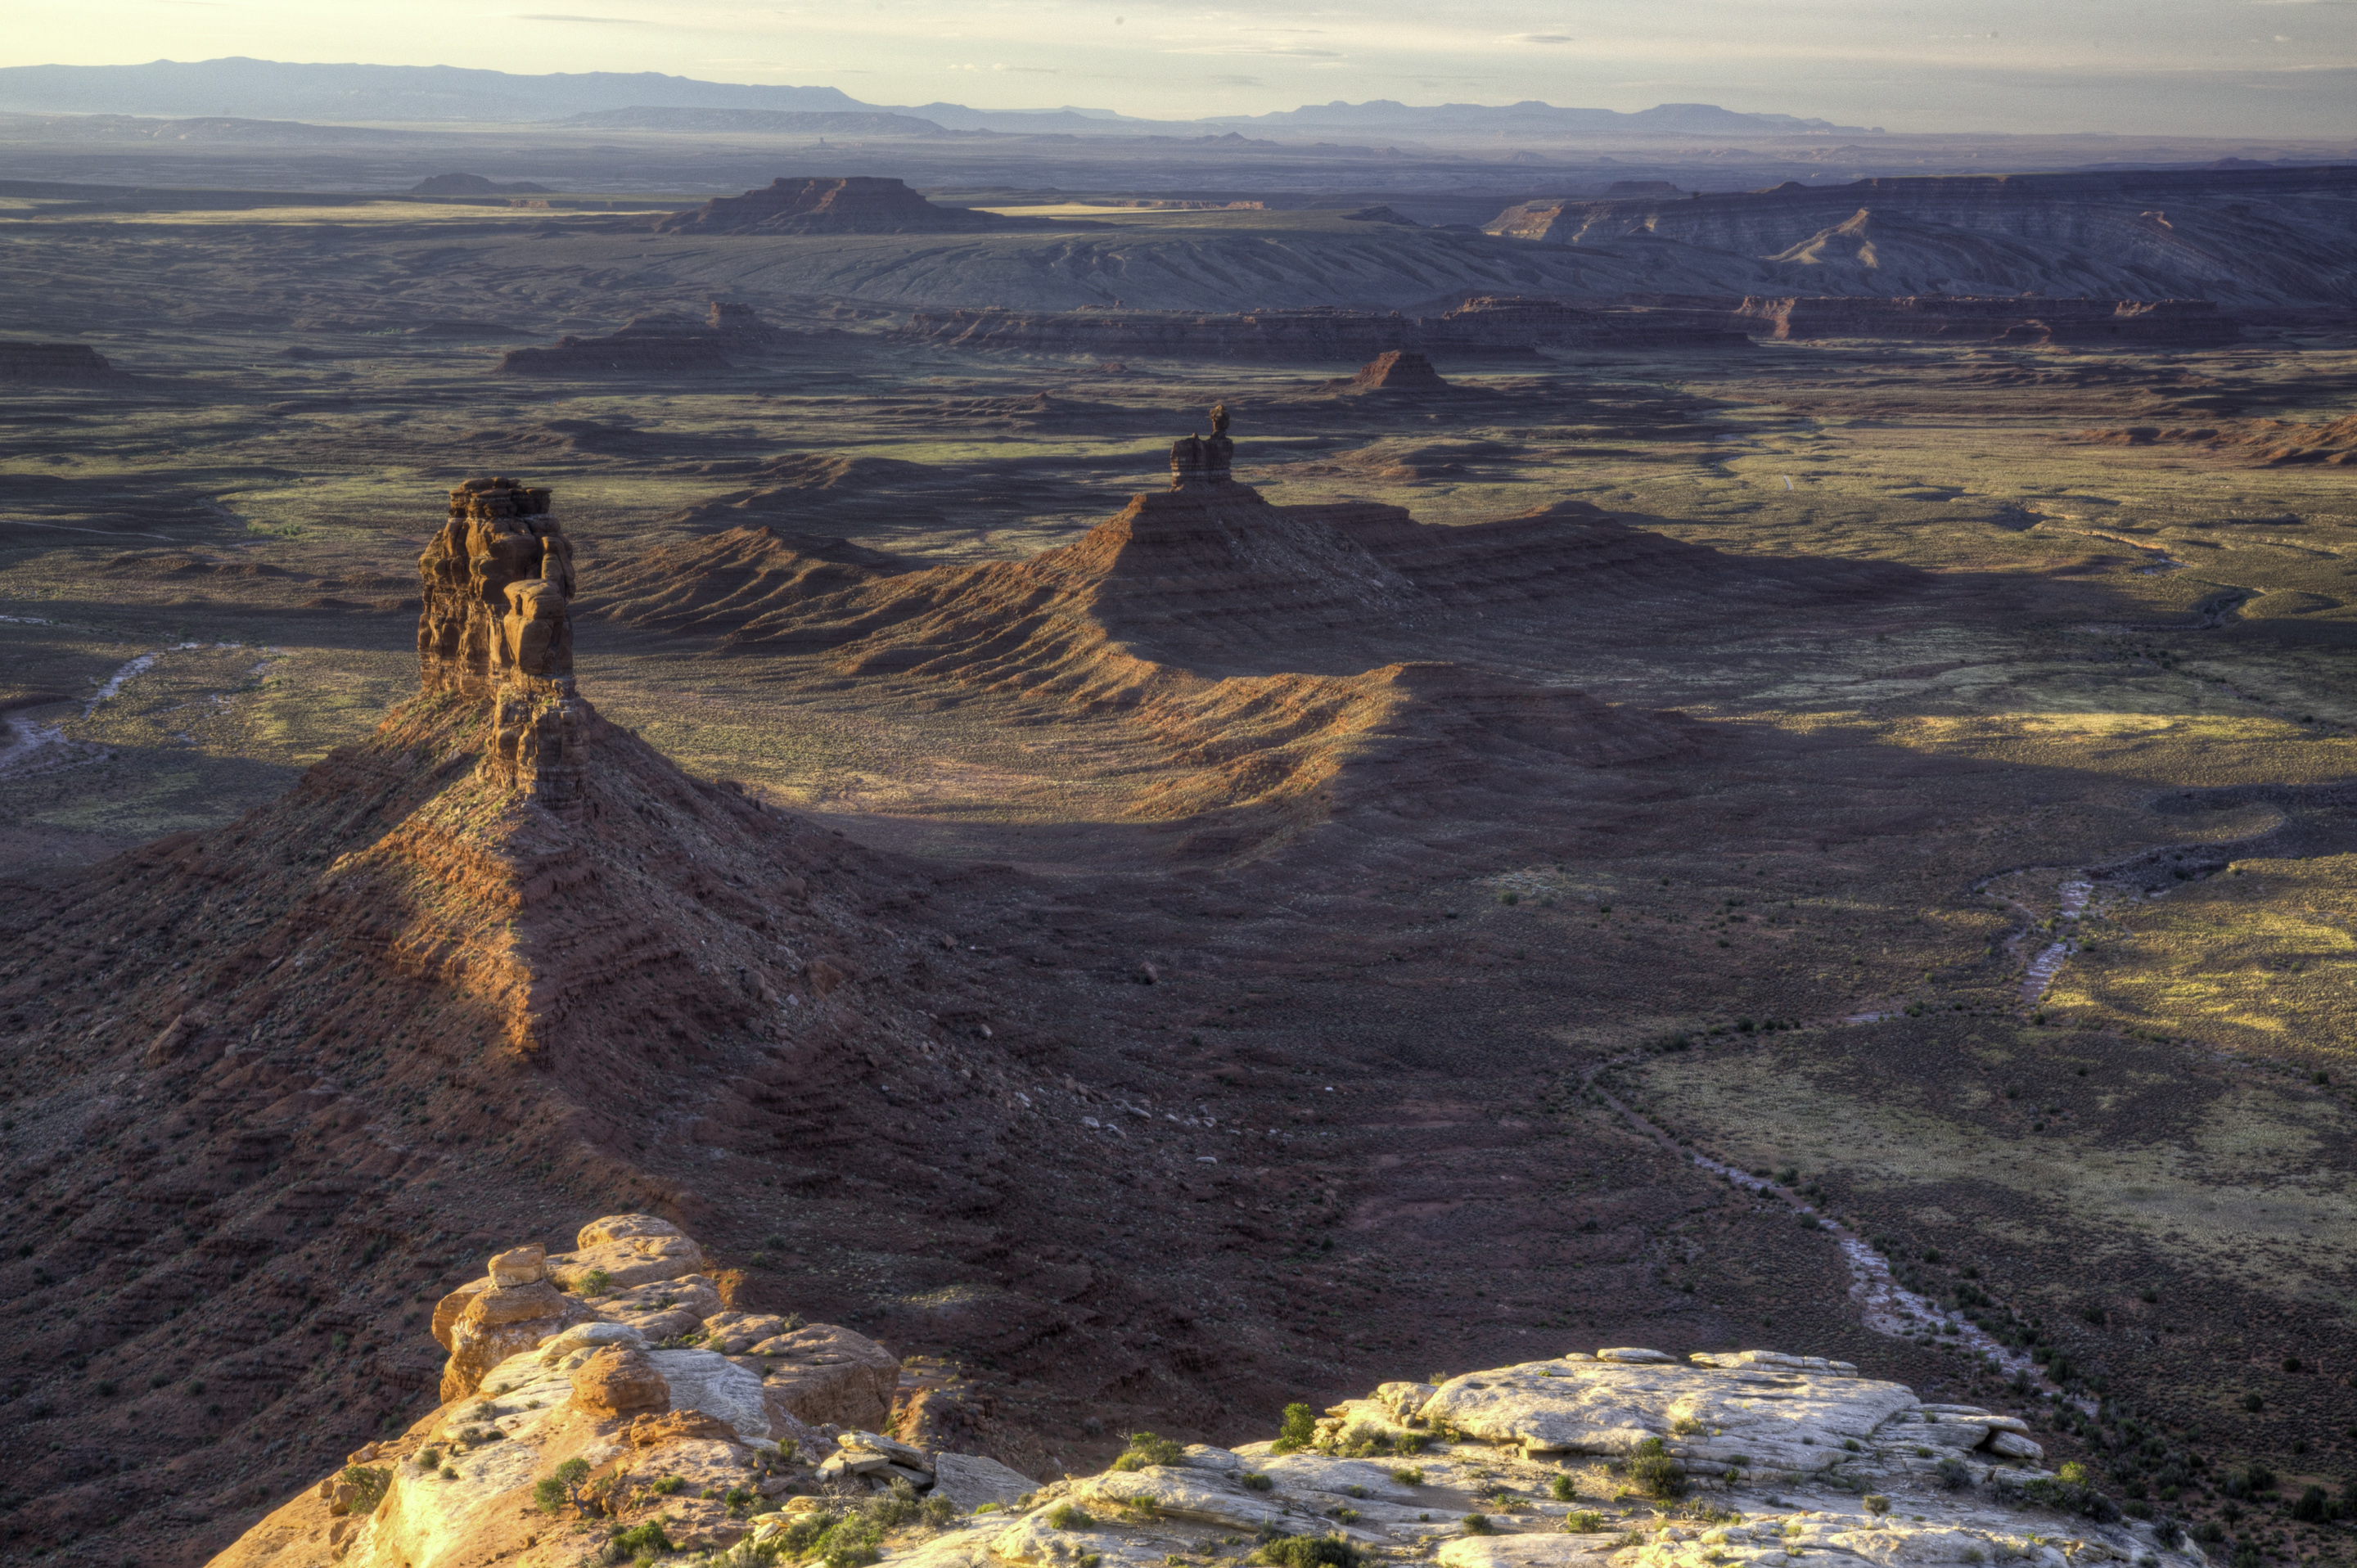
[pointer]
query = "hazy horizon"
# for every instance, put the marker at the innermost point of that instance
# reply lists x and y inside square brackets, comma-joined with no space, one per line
[2250,68]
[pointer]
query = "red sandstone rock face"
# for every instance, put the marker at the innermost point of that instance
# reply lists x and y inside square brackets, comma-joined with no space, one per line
[857,205]
[1400,369]
[496,589]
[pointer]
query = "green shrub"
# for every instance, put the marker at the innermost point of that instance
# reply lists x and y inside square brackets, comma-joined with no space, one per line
[1064,1516]
[1298,1431]
[1583,1522]
[598,1283]
[938,1511]
[890,1509]
[2313,1506]
[739,1499]
[1560,1489]
[668,1487]
[1954,1473]
[1876,1503]
[1654,1472]
[429,1458]
[1145,1449]
[1254,1481]
[1408,1477]
[1477,1524]
[639,1543]
[1310,1551]
[2253,1403]
[548,1495]
[804,1533]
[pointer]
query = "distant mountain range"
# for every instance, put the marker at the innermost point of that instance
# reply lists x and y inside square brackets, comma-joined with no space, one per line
[262,90]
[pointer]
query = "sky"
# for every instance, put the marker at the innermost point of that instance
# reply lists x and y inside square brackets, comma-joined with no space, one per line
[2237,68]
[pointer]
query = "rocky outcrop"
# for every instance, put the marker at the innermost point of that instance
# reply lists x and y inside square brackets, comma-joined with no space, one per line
[54,364]
[1204,462]
[1568,1462]
[2127,323]
[666,346]
[858,204]
[572,1416]
[496,623]
[828,1376]
[1395,371]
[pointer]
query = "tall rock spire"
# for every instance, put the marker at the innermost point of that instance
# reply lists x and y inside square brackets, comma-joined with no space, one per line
[497,625]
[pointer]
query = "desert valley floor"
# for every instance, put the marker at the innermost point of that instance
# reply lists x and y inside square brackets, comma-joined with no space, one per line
[1360,943]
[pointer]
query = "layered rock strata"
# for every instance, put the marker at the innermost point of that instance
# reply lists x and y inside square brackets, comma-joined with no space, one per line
[2127,323]
[496,623]
[1484,325]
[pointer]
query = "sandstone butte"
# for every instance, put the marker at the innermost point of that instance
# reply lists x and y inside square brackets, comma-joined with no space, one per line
[603,1405]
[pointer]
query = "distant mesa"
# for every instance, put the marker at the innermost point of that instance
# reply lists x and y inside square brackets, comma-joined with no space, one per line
[2216,233]
[1643,187]
[55,364]
[650,346]
[1395,370]
[856,204]
[2032,321]
[474,184]
[1381,215]
[759,121]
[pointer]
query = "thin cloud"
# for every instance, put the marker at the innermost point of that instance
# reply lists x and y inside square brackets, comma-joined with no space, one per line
[563,17]
[1541,38]
[1030,70]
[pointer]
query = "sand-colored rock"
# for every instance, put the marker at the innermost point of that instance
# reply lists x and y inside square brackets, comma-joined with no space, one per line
[620,1380]
[635,1258]
[519,1266]
[828,1376]
[970,1480]
[563,1401]
[498,1322]
[1554,1550]
[1795,1420]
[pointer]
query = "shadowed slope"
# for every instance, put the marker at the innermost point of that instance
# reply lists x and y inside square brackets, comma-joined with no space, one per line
[1298,664]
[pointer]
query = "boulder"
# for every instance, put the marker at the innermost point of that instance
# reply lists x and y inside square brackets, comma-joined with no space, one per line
[666,1309]
[970,1480]
[734,1333]
[496,1322]
[632,1250]
[702,1381]
[519,1266]
[618,1380]
[655,1430]
[828,1376]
